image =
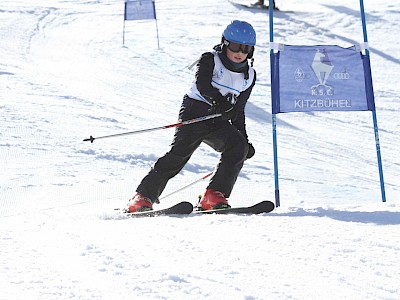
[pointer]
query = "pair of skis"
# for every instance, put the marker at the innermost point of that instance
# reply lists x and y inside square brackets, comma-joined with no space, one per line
[186,208]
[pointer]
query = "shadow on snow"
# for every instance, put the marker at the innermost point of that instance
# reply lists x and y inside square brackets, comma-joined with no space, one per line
[375,217]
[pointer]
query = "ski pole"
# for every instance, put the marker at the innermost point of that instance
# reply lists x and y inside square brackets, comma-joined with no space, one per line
[186,186]
[200,119]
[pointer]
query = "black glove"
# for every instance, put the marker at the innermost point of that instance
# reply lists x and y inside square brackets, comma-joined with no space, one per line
[225,106]
[251,151]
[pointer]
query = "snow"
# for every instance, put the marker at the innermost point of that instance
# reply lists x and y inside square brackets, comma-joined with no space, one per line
[64,75]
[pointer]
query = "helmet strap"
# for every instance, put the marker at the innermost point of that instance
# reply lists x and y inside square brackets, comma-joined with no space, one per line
[251,61]
[218,48]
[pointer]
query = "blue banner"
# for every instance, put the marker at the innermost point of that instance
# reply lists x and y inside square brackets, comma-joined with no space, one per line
[321,78]
[140,10]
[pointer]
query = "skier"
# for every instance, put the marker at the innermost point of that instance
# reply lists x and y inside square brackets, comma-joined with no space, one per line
[223,83]
[260,3]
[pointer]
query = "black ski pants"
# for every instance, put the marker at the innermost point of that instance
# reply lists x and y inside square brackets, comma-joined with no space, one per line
[219,134]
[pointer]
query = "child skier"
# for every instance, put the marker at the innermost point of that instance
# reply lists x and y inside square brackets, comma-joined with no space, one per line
[223,84]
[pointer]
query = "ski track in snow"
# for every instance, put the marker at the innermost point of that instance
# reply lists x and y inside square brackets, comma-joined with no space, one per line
[64,76]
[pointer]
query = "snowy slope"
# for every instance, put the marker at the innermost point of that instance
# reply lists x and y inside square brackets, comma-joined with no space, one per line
[64,75]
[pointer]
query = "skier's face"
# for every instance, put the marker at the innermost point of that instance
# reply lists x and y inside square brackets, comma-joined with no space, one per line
[236,57]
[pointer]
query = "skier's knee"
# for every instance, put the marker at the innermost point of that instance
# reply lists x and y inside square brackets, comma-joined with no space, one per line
[239,147]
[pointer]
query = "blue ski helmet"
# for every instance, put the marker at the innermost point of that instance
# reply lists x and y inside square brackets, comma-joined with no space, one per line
[240,32]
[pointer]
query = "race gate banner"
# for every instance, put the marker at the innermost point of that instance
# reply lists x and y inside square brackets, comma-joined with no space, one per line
[140,10]
[321,78]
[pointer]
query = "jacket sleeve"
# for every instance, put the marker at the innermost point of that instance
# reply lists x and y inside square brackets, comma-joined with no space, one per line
[204,74]
[240,121]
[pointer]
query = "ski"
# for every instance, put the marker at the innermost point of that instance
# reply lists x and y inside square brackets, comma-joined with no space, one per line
[181,208]
[186,208]
[256,7]
[263,7]
[259,208]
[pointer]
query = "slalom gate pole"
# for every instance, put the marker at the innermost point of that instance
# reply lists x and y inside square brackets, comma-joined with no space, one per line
[374,118]
[186,186]
[196,120]
[274,135]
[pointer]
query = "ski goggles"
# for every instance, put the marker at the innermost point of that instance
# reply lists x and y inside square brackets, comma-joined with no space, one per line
[235,47]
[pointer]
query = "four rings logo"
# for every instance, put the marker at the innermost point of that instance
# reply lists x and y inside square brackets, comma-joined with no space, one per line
[341,76]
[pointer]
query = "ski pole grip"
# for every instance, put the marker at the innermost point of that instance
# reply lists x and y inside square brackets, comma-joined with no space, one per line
[91,139]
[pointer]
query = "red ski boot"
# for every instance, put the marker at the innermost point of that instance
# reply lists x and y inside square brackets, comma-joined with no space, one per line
[213,200]
[139,203]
